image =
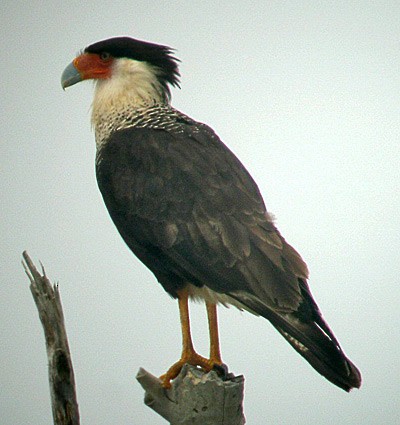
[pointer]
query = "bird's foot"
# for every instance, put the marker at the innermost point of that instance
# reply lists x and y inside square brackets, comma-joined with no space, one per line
[193,359]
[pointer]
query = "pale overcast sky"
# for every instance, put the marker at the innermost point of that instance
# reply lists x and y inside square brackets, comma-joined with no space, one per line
[306,93]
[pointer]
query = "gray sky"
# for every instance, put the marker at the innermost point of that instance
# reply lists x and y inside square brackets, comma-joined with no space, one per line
[306,93]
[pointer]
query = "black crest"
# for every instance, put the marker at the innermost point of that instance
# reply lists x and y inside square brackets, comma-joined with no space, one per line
[157,55]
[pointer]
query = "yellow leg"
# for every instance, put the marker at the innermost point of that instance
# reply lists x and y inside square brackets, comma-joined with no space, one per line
[189,355]
[215,354]
[187,344]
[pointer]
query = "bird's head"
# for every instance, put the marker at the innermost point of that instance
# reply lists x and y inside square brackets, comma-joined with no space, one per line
[125,68]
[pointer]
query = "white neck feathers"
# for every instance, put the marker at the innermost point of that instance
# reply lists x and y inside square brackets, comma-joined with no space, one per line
[133,85]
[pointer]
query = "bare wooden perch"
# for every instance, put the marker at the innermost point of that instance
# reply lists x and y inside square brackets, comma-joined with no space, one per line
[61,374]
[195,398]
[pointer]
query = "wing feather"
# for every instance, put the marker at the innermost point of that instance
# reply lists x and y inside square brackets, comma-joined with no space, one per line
[188,197]
[190,211]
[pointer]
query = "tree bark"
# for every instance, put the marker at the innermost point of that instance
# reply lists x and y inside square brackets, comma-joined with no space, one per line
[195,398]
[61,374]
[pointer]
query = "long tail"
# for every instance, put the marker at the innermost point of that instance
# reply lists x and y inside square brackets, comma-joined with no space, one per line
[324,353]
[309,334]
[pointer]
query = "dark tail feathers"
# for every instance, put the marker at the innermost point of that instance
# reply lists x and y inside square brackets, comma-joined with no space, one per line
[308,333]
[325,355]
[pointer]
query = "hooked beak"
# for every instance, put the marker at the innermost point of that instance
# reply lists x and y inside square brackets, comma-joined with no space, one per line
[70,76]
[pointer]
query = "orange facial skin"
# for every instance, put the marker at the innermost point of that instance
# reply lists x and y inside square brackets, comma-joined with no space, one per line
[93,66]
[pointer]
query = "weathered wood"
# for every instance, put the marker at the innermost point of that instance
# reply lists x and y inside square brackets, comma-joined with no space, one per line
[195,398]
[61,374]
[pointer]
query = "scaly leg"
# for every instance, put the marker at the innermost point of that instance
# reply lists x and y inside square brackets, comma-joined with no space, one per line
[189,355]
[215,354]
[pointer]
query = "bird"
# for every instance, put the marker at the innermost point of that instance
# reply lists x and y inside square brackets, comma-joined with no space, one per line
[190,211]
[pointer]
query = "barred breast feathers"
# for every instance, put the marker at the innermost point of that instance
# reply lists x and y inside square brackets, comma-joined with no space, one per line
[158,117]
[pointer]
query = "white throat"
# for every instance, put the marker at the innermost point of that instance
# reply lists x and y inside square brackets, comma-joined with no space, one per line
[133,86]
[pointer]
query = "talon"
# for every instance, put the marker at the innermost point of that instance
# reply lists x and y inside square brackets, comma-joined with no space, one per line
[222,371]
[165,381]
[193,359]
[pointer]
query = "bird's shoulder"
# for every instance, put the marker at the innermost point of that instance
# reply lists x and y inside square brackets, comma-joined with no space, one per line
[188,163]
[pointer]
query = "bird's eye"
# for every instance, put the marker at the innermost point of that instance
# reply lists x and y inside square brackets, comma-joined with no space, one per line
[105,56]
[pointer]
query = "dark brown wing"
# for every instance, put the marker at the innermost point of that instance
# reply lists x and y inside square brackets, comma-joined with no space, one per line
[190,211]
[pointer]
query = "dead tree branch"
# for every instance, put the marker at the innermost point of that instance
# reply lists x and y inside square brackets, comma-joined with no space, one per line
[195,398]
[61,374]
